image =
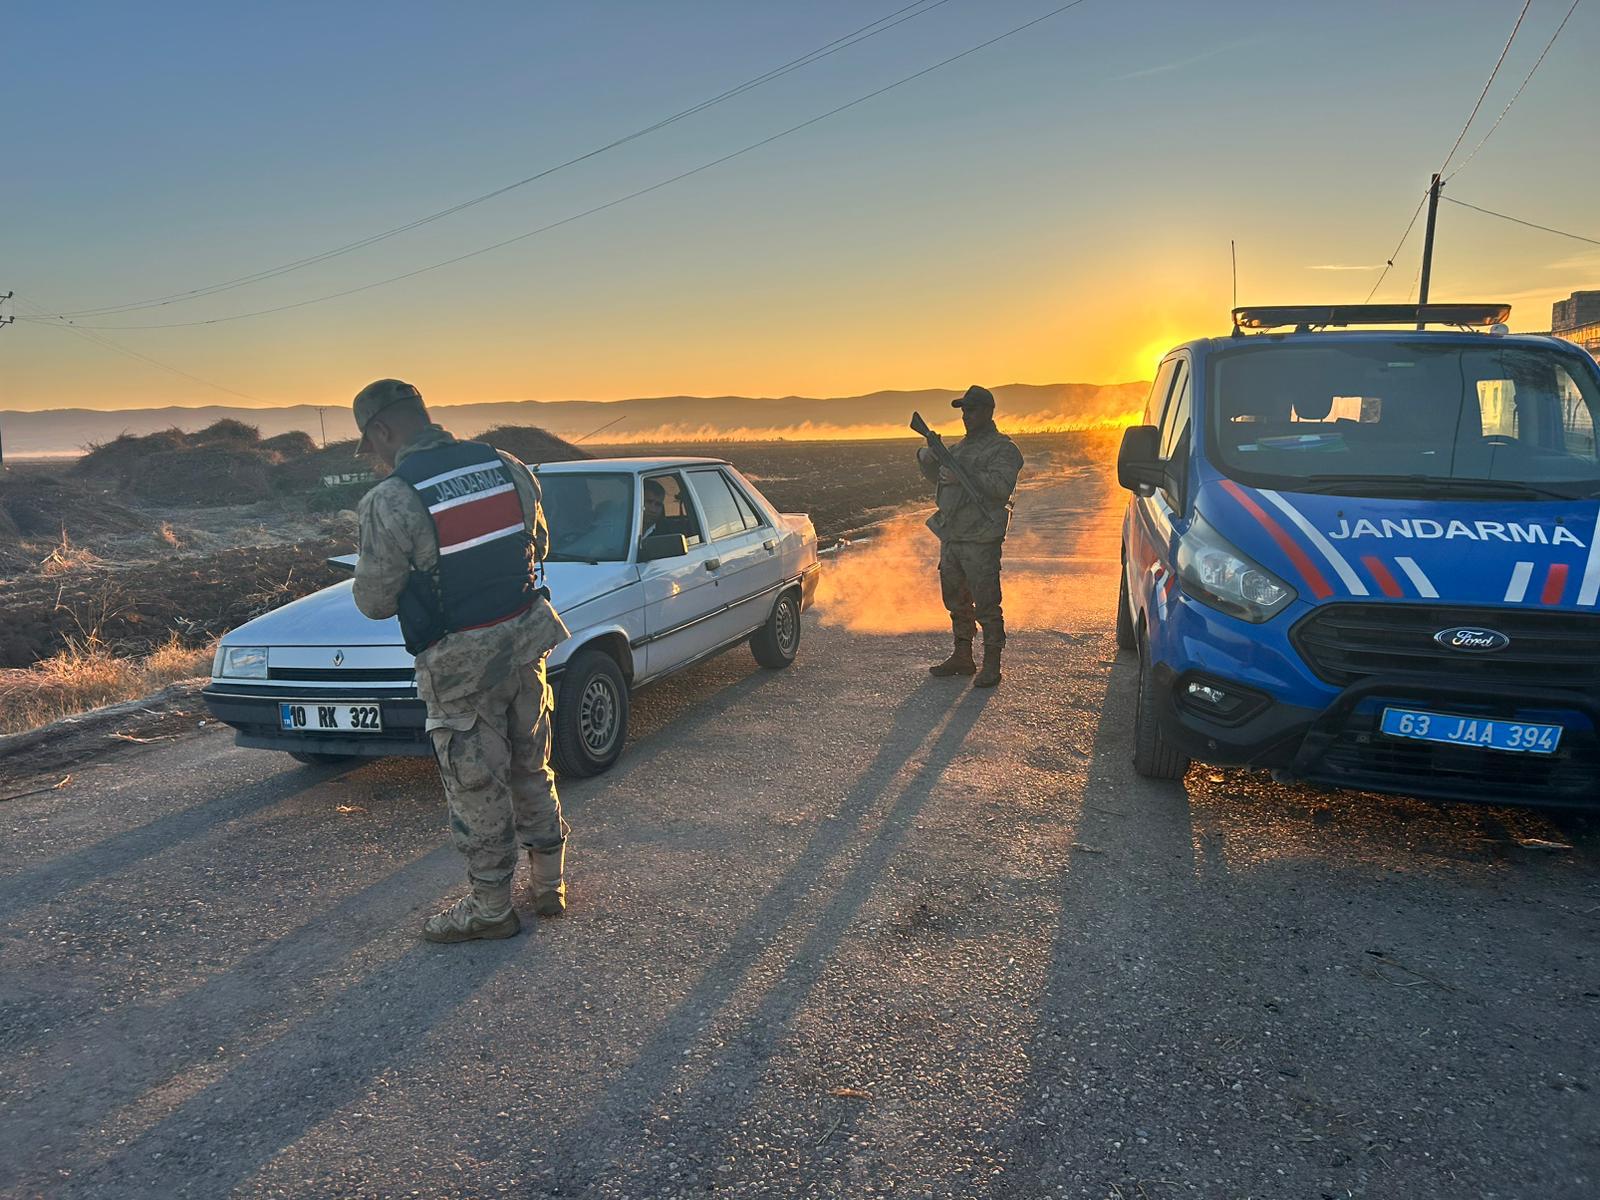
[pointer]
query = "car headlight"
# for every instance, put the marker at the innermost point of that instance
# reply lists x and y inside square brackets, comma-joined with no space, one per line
[243,662]
[1215,573]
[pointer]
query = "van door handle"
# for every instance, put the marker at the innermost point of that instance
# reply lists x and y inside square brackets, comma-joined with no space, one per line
[713,564]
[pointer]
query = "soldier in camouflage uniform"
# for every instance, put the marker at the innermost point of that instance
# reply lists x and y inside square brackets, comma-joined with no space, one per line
[481,671]
[971,536]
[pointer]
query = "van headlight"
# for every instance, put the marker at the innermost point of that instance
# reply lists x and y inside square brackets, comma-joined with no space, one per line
[242,662]
[1215,573]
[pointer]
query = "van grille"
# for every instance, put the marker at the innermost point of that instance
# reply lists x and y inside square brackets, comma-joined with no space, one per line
[1364,758]
[1344,643]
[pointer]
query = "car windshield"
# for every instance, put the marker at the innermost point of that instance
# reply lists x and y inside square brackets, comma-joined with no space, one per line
[589,515]
[1406,417]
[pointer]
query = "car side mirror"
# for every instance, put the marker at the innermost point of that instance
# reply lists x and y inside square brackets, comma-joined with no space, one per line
[1139,462]
[663,545]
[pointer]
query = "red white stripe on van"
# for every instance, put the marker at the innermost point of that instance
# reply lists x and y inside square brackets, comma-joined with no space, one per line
[1336,560]
[1313,577]
[1589,589]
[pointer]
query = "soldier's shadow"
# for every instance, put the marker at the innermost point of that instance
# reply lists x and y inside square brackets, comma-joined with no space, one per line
[945,711]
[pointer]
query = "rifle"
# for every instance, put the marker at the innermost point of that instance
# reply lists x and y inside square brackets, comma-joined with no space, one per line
[948,460]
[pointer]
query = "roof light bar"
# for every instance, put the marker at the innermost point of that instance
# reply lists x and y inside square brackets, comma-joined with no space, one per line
[1326,315]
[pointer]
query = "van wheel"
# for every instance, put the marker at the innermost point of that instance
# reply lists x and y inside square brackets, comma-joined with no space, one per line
[1127,636]
[1153,756]
[591,718]
[777,642]
[313,759]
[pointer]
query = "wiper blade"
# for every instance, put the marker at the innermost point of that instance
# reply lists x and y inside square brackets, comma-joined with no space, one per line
[1434,484]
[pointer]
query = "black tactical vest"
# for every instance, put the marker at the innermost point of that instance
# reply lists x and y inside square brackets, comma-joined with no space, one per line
[486,557]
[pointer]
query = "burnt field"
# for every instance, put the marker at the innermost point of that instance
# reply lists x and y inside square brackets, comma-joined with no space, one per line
[84,556]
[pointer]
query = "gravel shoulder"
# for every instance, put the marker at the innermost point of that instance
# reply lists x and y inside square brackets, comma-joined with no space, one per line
[836,931]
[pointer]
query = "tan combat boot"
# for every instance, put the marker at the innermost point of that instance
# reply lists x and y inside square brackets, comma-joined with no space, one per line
[549,884]
[473,917]
[959,663]
[990,675]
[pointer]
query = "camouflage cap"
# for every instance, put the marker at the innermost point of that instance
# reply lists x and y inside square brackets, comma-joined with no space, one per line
[975,397]
[375,397]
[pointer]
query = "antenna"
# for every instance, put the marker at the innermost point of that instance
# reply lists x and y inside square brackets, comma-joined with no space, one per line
[602,428]
[1233,250]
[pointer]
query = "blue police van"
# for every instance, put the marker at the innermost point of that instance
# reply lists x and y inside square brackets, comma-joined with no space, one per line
[1363,549]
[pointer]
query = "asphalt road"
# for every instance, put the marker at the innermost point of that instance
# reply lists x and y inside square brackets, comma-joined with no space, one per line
[837,931]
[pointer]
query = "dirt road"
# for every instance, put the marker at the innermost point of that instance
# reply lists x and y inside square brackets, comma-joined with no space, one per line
[840,931]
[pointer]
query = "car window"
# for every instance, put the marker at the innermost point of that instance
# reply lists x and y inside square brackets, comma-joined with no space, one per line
[587,514]
[751,514]
[1157,402]
[723,518]
[1176,417]
[676,513]
[1367,412]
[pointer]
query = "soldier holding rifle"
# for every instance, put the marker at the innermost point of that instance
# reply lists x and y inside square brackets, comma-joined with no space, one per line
[975,479]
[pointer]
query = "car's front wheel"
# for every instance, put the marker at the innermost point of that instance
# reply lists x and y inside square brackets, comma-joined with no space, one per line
[777,642]
[1153,756]
[591,717]
[312,759]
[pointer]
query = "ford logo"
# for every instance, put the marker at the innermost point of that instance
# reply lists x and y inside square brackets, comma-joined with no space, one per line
[1472,639]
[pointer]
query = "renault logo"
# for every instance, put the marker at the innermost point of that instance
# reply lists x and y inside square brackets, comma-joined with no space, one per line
[338,658]
[1471,639]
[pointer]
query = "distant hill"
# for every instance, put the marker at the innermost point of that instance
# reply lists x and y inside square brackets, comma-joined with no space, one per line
[661,418]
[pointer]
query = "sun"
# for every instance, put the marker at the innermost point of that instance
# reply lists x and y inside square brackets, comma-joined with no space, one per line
[1143,364]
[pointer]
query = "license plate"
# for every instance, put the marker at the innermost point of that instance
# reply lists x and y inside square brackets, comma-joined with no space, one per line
[299,716]
[1520,737]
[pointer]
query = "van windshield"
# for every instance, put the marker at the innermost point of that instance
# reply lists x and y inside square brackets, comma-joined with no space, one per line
[589,515]
[1406,418]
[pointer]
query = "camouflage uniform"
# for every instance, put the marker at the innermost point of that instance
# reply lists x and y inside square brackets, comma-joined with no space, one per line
[488,701]
[970,538]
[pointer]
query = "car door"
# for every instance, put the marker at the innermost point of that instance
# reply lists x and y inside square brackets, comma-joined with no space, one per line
[747,566]
[681,595]
[1150,516]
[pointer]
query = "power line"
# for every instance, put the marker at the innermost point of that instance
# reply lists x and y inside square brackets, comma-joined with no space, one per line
[766,141]
[1473,115]
[117,348]
[1489,212]
[1537,64]
[855,37]
[1388,263]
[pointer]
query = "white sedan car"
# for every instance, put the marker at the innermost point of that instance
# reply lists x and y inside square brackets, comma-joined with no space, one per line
[645,591]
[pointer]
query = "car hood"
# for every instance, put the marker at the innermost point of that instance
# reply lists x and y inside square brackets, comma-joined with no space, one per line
[1540,553]
[330,617]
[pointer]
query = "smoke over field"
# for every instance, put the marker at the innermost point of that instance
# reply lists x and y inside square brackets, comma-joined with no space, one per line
[1063,540]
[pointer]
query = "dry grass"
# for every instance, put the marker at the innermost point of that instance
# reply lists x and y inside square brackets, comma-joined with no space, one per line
[66,558]
[87,675]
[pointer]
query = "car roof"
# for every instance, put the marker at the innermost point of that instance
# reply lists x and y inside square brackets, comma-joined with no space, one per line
[625,464]
[1323,337]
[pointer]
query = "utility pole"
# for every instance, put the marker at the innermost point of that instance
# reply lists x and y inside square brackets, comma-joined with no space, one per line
[1427,242]
[4,321]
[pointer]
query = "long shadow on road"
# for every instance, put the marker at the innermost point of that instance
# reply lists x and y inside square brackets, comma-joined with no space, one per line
[585,1151]
[116,853]
[266,1101]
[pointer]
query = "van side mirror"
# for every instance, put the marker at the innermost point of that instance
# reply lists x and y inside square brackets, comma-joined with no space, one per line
[1139,462]
[663,545]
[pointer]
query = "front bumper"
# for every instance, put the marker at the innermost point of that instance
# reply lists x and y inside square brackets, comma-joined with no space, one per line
[253,712]
[1341,745]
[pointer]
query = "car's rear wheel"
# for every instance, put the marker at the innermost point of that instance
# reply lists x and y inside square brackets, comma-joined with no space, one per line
[1127,636]
[313,759]
[591,717]
[1153,756]
[777,642]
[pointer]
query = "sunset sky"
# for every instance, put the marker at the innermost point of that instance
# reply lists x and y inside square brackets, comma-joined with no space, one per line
[1055,207]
